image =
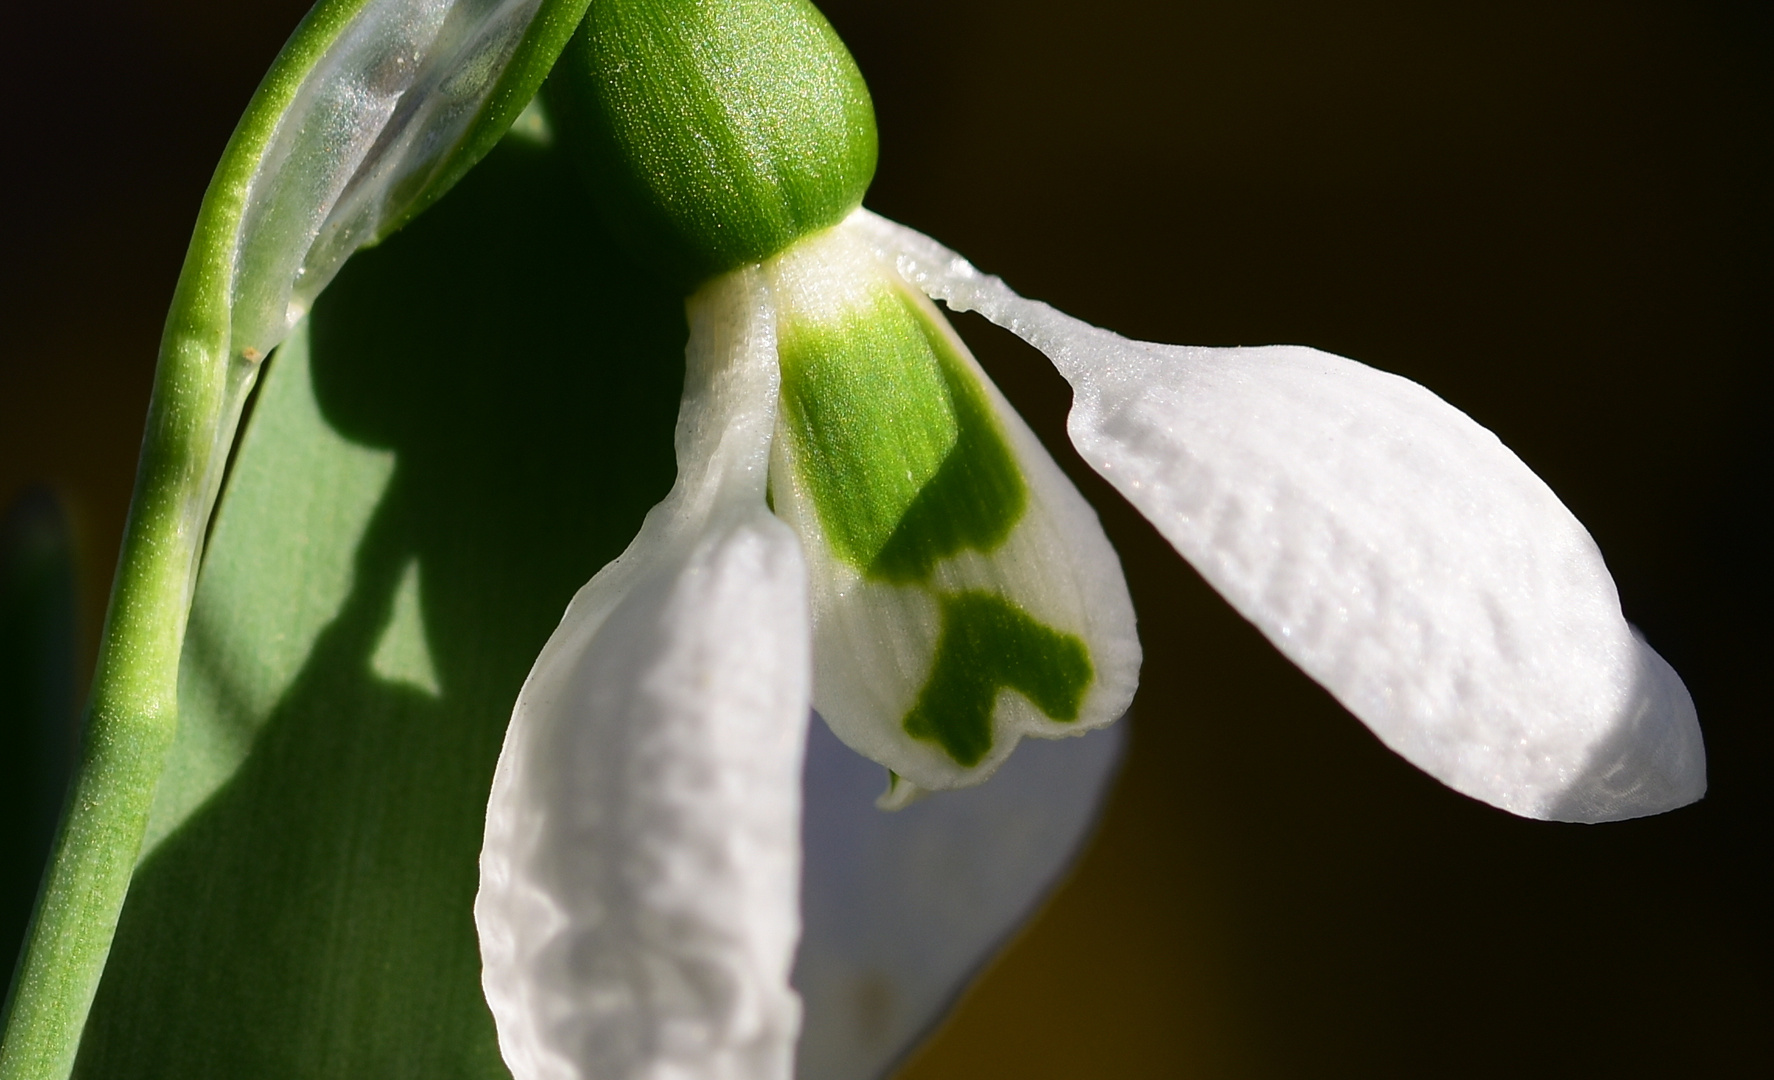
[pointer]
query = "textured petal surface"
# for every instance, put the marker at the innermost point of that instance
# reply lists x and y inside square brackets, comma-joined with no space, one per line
[879,643]
[1383,541]
[901,910]
[638,908]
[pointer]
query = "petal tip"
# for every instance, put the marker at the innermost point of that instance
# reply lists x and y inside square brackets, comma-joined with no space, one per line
[1652,759]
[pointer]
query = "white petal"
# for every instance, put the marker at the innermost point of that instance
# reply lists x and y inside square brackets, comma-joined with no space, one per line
[1386,543]
[901,910]
[876,642]
[638,910]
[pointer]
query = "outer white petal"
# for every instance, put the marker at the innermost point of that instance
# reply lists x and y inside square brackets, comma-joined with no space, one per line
[875,642]
[901,910]
[638,910]
[1386,543]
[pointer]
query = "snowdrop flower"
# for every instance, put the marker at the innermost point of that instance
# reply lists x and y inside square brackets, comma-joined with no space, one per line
[862,525]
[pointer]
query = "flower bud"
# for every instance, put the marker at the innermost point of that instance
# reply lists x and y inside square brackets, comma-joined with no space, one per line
[714,133]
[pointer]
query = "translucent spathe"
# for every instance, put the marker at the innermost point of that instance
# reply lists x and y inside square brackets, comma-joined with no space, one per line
[368,128]
[1383,541]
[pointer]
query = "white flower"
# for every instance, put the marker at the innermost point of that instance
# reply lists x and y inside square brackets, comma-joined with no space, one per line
[638,908]
[639,911]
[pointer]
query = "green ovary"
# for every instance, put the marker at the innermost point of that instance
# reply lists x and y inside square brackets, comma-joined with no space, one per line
[989,644]
[714,133]
[895,441]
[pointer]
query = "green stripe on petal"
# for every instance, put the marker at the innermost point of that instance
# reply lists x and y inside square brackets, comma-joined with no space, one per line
[977,496]
[866,403]
[894,438]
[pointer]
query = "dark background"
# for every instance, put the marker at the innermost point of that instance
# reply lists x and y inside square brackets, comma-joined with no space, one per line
[1555,215]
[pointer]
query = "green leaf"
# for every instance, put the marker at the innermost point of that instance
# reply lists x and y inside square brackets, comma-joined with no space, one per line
[476,418]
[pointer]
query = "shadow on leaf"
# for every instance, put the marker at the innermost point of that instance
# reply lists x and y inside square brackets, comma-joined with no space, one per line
[483,415]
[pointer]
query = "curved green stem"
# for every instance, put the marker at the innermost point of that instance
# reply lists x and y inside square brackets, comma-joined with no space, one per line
[199,388]
[133,712]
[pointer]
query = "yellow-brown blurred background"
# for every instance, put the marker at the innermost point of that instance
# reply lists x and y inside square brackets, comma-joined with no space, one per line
[1554,214]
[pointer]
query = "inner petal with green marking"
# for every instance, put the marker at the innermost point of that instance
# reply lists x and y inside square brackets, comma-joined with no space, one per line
[907,477]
